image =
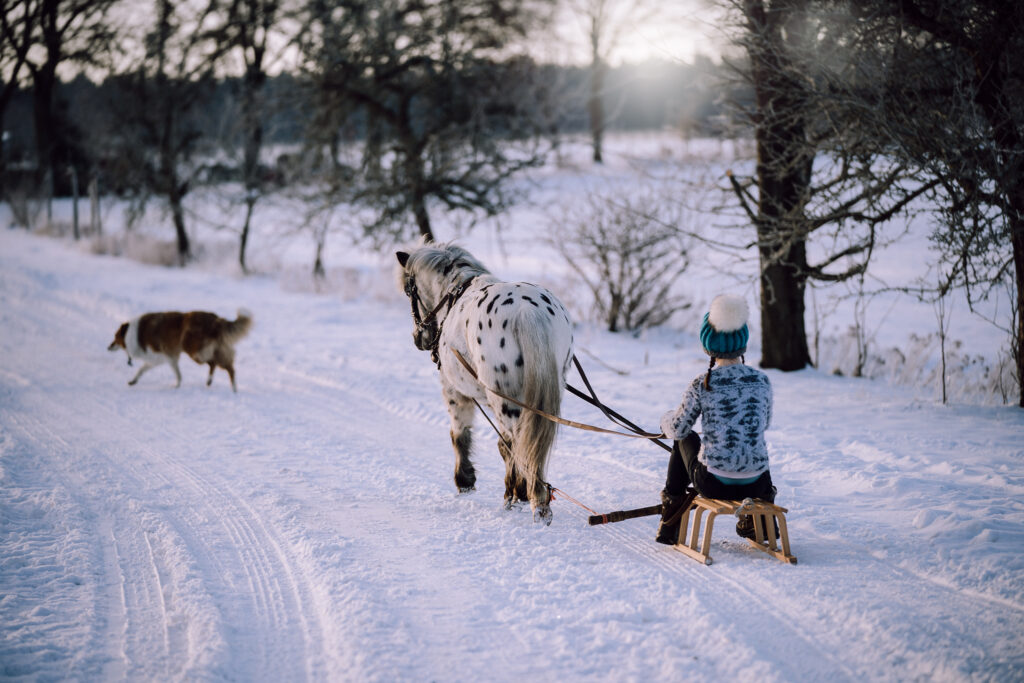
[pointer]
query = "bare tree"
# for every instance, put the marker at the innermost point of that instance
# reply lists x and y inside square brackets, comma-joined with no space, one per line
[76,31]
[156,122]
[254,34]
[445,111]
[604,23]
[820,173]
[18,19]
[960,118]
[630,254]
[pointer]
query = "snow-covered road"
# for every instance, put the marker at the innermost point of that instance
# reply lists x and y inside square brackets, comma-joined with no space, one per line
[307,528]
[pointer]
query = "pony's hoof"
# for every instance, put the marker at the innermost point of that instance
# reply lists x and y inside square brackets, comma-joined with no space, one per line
[542,513]
[514,504]
[467,489]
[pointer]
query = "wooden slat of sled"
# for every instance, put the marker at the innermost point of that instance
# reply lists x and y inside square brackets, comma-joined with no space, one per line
[698,546]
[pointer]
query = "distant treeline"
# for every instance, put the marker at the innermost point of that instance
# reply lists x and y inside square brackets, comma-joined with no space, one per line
[653,95]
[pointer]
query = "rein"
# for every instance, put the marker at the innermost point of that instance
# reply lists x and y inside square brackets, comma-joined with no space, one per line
[608,412]
[636,434]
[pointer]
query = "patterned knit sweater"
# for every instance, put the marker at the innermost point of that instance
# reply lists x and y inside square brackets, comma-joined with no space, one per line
[734,414]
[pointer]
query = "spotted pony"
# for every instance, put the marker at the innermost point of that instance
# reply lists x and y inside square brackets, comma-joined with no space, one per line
[516,338]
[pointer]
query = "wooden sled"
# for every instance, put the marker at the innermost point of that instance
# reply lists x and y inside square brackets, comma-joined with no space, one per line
[763,512]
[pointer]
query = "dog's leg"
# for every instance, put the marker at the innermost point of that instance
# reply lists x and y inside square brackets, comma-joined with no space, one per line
[145,366]
[209,379]
[225,358]
[231,373]
[177,373]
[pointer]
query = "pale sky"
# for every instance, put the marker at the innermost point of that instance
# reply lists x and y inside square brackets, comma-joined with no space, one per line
[674,30]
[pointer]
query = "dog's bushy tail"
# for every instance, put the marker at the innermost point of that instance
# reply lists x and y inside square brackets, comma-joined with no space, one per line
[237,328]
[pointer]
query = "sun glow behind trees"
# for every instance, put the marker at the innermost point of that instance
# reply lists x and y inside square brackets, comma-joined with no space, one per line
[639,31]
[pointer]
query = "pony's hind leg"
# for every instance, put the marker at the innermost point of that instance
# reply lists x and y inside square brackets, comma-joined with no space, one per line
[460,411]
[540,500]
[515,485]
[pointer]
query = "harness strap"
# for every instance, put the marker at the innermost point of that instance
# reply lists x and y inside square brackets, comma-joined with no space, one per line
[608,412]
[551,495]
[450,298]
[490,421]
[549,416]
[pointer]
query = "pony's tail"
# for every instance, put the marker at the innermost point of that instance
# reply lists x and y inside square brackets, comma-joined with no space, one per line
[542,388]
[235,329]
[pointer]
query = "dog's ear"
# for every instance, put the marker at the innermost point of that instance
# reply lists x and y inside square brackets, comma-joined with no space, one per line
[119,337]
[403,258]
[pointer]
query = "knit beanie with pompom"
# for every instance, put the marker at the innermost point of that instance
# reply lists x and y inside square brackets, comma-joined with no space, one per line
[723,332]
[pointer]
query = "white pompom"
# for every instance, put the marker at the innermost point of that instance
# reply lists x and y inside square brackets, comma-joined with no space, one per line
[728,312]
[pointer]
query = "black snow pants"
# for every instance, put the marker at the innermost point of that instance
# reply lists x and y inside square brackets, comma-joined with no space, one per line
[684,469]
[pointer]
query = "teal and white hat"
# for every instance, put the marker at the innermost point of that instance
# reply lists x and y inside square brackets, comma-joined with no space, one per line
[723,332]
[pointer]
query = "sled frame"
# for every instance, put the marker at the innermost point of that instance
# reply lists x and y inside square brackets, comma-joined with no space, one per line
[764,513]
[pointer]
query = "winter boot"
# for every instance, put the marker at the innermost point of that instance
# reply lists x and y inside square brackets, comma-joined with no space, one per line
[745,525]
[745,528]
[672,510]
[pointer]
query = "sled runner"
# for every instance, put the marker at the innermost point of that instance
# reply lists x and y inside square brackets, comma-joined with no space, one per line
[766,515]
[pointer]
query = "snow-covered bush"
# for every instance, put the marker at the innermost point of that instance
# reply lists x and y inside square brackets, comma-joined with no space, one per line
[970,378]
[629,253]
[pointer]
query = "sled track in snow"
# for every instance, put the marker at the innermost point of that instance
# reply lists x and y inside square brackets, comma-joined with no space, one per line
[738,596]
[280,591]
[811,658]
[366,390]
[272,586]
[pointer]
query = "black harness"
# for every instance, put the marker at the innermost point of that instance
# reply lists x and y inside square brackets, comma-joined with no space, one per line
[429,323]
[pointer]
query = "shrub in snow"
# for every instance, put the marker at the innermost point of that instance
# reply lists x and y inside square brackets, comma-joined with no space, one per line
[629,253]
[970,377]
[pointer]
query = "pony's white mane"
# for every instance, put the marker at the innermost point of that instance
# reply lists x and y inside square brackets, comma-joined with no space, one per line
[437,258]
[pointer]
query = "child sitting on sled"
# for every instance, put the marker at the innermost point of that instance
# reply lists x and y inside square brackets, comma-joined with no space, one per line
[729,460]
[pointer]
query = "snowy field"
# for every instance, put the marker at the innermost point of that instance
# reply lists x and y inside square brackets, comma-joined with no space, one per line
[307,527]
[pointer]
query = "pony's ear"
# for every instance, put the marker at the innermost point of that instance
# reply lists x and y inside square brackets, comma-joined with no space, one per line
[403,258]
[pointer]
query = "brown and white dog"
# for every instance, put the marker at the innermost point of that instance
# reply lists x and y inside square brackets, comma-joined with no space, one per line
[156,338]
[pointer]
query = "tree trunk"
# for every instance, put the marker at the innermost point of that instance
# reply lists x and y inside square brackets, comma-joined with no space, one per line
[175,192]
[178,213]
[783,333]
[319,272]
[996,100]
[595,108]
[419,209]
[95,222]
[253,135]
[1016,220]
[74,201]
[783,177]
[250,204]
[43,85]
[417,191]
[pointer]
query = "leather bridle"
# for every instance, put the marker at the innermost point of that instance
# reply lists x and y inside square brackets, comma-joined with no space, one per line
[429,323]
